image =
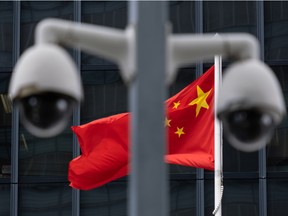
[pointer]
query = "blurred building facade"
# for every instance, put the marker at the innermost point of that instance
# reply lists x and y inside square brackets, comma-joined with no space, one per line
[33,171]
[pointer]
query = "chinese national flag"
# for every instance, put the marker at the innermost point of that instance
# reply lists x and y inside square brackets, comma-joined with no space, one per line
[189,121]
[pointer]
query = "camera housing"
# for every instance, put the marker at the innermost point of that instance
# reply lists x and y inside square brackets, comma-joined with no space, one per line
[250,105]
[45,92]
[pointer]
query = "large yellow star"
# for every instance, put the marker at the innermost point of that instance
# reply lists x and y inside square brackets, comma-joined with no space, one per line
[180,131]
[200,100]
[167,122]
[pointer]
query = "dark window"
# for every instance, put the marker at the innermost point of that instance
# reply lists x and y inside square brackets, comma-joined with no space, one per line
[110,199]
[182,16]
[277,198]
[45,157]
[5,126]
[184,77]
[182,198]
[45,199]
[230,16]
[111,14]
[6,34]
[277,150]
[237,161]
[4,199]
[276,30]
[34,11]
[104,93]
[240,197]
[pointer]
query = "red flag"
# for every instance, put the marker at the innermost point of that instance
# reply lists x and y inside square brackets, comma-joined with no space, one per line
[190,125]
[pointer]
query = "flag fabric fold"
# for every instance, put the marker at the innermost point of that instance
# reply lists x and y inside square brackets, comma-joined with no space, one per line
[189,122]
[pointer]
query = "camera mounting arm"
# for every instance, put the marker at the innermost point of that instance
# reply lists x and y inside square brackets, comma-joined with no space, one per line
[186,48]
[113,44]
[119,45]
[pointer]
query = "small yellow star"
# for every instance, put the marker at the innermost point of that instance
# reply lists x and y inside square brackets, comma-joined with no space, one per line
[180,131]
[176,104]
[167,122]
[200,100]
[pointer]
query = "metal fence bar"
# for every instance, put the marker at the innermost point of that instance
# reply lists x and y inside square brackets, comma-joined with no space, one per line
[76,114]
[15,117]
[262,152]
[200,199]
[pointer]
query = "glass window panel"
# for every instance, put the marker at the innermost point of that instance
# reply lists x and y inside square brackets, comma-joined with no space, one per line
[235,160]
[181,16]
[240,197]
[5,126]
[178,169]
[45,199]
[182,198]
[104,93]
[230,16]
[4,199]
[45,157]
[277,197]
[34,11]
[6,33]
[184,77]
[111,14]
[277,149]
[110,199]
[276,30]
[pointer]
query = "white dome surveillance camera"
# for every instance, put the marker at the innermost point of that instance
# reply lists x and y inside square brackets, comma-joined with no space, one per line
[251,105]
[45,84]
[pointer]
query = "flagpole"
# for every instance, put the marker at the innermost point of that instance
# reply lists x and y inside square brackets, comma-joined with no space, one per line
[218,186]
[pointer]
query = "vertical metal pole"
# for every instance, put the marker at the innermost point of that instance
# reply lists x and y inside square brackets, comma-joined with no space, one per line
[200,199]
[76,113]
[148,188]
[200,192]
[262,152]
[218,187]
[15,117]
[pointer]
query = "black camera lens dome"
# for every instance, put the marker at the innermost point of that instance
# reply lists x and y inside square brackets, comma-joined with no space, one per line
[46,110]
[248,125]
